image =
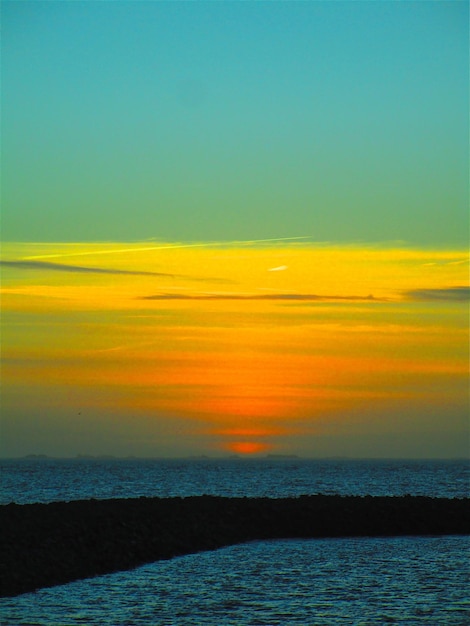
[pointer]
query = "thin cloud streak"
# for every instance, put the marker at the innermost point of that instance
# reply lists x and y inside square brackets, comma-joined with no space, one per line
[446,294]
[206,244]
[281,268]
[80,269]
[62,267]
[275,296]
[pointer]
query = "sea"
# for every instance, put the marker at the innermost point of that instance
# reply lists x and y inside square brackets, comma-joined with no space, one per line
[347,581]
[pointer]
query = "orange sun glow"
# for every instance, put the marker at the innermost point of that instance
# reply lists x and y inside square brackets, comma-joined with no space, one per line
[248,447]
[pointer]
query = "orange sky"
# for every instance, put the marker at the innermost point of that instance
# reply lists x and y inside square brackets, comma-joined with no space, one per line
[159,349]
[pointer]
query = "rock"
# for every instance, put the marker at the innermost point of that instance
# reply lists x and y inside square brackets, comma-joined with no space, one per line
[43,545]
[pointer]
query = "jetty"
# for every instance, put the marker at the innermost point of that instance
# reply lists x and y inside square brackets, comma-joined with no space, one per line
[42,545]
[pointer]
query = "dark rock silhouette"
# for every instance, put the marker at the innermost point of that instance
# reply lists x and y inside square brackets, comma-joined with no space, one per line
[43,545]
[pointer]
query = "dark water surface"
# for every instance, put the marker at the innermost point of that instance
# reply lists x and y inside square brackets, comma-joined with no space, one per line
[360,581]
[405,580]
[25,481]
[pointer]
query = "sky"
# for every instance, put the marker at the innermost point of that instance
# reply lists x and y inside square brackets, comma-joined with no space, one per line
[235,228]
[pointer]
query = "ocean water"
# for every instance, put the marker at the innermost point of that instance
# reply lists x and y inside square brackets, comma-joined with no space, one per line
[48,480]
[360,581]
[404,580]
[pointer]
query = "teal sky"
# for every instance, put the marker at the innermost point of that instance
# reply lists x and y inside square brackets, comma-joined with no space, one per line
[340,121]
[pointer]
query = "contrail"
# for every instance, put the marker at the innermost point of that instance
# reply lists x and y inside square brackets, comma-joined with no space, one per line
[164,247]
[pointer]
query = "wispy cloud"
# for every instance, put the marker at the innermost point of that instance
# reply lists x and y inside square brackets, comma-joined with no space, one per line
[281,268]
[62,267]
[80,269]
[275,296]
[452,294]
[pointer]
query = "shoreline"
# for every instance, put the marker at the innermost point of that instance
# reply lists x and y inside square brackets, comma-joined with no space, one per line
[44,545]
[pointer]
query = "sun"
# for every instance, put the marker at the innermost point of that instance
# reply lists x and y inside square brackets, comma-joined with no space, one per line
[248,447]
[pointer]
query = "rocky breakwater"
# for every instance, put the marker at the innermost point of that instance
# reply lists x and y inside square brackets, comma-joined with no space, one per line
[43,545]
